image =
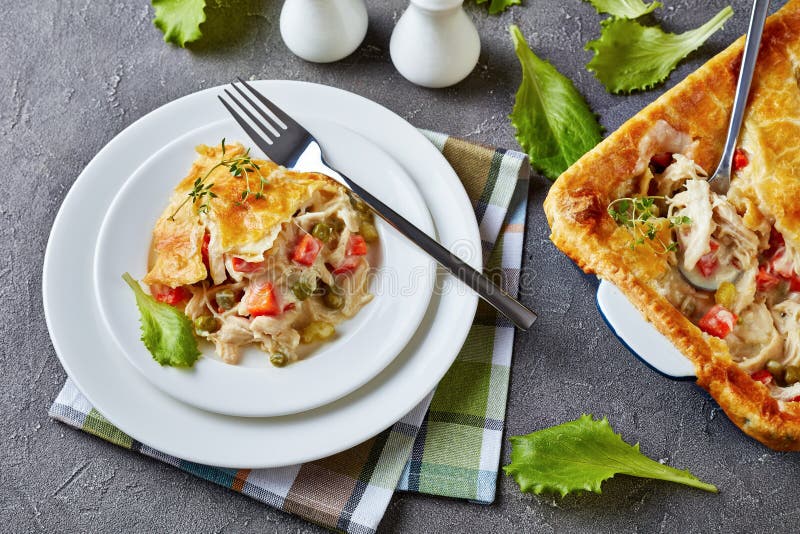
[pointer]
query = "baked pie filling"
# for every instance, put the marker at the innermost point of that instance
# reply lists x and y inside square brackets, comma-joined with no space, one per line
[727,238]
[276,265]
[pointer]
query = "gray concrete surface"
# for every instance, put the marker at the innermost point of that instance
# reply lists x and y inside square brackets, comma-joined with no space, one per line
[74,73]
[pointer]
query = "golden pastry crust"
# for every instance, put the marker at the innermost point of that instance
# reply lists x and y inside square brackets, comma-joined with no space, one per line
[245,229]
[694,115]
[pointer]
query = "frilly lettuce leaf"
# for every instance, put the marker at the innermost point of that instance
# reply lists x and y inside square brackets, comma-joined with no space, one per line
[553,122]
[498,6]
[580,455]
[180,20]
[628,9]
[166,331]
[629,56]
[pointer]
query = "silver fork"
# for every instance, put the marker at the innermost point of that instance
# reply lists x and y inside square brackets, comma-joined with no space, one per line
[720,181]
[287,143]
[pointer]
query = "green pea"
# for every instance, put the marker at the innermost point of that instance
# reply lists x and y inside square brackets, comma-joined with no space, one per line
[358,204]
[302,290]
[206,323]
[332,298]
[322,232]
[792,374]
[278,359]
[368,232]
[226,299]
[775,369]
[366,216]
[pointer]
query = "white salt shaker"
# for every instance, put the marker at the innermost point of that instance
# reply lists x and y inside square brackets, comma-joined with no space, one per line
[435,44]
[323,30]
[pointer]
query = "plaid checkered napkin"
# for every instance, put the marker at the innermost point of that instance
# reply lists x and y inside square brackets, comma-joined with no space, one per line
[449,444]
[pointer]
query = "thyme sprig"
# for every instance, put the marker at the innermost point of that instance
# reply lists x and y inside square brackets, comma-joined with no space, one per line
[640,216]
[241,166]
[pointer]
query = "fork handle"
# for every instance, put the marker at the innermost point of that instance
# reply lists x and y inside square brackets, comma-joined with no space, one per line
[521,316]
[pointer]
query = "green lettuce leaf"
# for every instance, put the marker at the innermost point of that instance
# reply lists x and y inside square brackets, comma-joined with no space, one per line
[498,6]
[166,331]
[628,9]
[629,56]
[580,455]
[180,20]
[553,122]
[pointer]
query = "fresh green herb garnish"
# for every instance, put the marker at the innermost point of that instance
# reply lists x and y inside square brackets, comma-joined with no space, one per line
[180,20]
[553,122]
[640,216]
[242,166]
[628,9]
[498,6]
[629,56]
[580,455]
[198,192]
[238,166]
[166,331]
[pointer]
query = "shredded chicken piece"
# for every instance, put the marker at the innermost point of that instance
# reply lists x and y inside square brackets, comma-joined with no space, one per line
[276,334]
[197,304]
[745,290]
[695,238]
[793,253]
[216,260]
[356,291]
[785,393]
[681,170]
[787,319]
[231,337]
[662,137]
[337,256]
[754,339]
[736,238]
[332,209]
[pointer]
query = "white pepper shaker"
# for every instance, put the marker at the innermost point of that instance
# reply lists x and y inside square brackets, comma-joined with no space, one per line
[435,44]
[323,30]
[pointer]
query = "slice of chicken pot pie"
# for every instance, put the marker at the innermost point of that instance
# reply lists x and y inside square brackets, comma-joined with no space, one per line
[627,208]
[258,254]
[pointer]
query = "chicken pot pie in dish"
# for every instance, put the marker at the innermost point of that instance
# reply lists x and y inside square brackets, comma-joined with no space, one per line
[626,209]
[258,254]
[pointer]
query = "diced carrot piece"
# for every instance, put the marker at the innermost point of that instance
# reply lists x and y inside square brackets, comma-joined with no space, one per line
[243,266]
[348,264]
[356,246]
[740,159]
[718,321]
[170,295]
[763,376]
[262,300]
[306,250]
[765,280]
[204,248]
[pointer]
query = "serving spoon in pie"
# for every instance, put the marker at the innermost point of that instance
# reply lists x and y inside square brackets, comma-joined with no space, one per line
[720,181]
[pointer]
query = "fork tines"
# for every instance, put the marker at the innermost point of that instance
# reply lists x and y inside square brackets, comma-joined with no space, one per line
[279,133]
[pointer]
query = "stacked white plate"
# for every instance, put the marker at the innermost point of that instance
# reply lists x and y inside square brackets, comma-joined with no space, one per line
[383,363]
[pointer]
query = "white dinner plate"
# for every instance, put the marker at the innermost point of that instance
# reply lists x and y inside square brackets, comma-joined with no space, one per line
[123,395]
[401,282]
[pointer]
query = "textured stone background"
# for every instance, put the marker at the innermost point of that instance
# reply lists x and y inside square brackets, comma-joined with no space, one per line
[73,73]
